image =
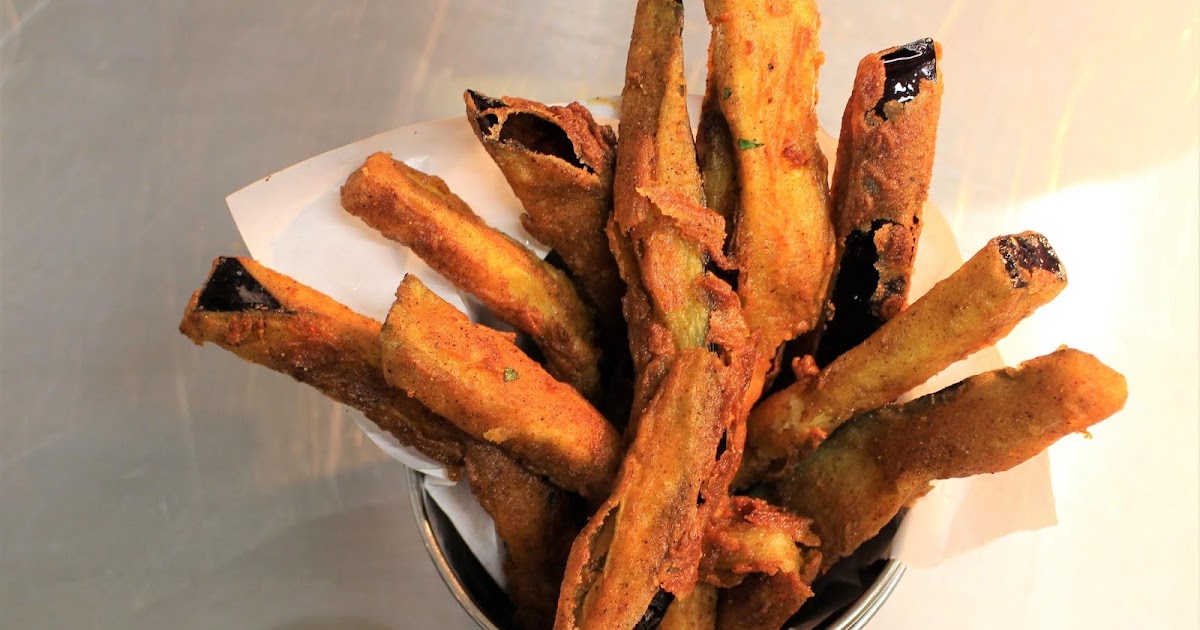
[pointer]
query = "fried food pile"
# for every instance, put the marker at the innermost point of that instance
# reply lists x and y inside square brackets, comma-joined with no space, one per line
[704,419]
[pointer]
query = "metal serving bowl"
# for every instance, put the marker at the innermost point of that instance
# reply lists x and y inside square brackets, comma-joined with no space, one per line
[487,604]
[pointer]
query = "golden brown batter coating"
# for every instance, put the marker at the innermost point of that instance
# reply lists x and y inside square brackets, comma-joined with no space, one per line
[973,308]
[419,211]
[763,65]
[869,469]
[764,601]
[559,163]
[715,154]
[753,536]
[646,537]
[537,522]
[641,226]
[270,319]
[479,380]
[880,185]
[764,558]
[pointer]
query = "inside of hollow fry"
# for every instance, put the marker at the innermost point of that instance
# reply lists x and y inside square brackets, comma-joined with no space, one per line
[683,264]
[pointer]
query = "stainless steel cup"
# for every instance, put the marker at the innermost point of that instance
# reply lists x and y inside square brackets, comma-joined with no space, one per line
[489,607]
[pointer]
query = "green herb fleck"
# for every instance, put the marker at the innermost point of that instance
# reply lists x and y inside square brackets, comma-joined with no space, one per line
[510,375]
[745,144]
[726,93]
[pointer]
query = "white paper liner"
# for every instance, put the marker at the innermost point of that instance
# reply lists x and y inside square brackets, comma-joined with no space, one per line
[293,222]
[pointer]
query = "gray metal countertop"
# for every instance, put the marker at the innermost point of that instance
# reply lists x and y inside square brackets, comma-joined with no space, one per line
[146,483]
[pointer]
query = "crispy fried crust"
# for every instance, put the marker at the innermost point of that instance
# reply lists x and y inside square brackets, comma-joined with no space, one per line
[763,67]
[973,308]
[479,380]
[696,611]
[865,472]
[419,211]
[764,558]
[537,523]
[766,602]
[880,185]
[715,154]
[752,536]
[270,319]
[559,163]
[688,398]
[647,535]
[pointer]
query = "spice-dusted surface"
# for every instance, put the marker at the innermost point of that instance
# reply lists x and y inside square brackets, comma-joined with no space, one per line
[145,483]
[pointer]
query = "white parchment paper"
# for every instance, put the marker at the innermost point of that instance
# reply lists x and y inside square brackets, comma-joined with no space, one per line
[292,222]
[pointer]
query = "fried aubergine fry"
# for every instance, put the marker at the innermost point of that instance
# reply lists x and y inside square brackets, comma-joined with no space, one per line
[660,232]
[880,185]
[559,163]
[715,155]
[764,601]
[478,379]
[537,522]
[765,559]
[875,464]
[689,345]
[419,211]
[645,537]
[270,319]
[763,64]
[752,536]
[973,308]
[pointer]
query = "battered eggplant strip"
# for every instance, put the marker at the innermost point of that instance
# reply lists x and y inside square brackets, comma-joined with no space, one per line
[973,308]
[751,536]
[537,522]
[696,611]
[764,171]
[880,185]
[715,154]
[764,601]
[645,540]
[270,319]
[657,195]
[764,558]
[646,536]
[479,380]
[878,462]
[559,163]
[419,211]
[763,64]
